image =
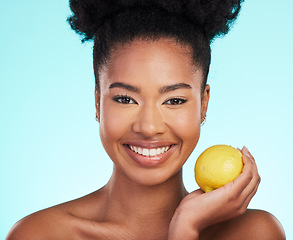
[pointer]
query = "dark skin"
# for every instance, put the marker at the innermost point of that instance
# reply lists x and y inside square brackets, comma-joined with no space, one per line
[145,197]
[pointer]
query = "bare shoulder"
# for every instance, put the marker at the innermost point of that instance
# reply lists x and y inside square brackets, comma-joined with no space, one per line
[258,224]
[254,224]
[45,224]
[62,221]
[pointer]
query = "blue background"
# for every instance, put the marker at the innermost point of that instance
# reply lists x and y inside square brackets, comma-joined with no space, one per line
[50,150]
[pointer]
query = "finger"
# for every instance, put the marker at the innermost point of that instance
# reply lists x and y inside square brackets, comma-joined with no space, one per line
[255,178]
[254,166]
[242,208]
[247,195]
[194,194]
[250,196]
[242,181]
[252,187]
[247,152]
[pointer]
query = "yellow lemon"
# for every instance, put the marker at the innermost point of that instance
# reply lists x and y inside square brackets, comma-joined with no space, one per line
[217,166]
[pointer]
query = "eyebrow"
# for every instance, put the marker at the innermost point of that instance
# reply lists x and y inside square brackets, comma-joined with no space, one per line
[164,89]
[124,86]
[173,87]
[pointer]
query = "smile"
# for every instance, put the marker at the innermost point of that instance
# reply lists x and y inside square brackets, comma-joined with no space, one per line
[149,152]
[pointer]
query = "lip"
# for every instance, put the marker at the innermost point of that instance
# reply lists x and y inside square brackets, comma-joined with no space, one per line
[149,161]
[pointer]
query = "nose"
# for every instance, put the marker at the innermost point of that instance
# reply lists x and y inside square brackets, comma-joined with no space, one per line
[149,121]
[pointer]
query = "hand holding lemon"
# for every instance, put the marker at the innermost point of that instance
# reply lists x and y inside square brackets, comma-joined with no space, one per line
[217,166]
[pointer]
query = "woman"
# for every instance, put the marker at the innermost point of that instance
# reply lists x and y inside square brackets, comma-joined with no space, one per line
[151,62]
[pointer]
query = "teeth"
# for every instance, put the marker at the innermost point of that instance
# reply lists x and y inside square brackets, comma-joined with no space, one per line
[153,152]
[159,151]
[139,150]
[149,152]
[145,152]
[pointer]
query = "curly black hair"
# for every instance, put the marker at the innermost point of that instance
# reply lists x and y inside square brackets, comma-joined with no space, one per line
[193,23]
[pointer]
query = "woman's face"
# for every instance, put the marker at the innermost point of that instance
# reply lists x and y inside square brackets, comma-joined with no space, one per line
[150,109]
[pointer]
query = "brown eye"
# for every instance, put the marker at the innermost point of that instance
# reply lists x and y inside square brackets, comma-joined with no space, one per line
[175,101]
[124,99]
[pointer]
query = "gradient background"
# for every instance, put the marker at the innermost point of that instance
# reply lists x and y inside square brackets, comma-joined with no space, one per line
[50,150]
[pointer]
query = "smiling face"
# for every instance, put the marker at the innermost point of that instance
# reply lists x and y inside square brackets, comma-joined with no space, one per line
[150,109]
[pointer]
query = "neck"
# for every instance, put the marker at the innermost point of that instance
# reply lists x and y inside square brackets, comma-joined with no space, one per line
[142,206]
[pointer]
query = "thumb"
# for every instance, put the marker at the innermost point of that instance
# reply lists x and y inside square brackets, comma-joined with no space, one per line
[195,193]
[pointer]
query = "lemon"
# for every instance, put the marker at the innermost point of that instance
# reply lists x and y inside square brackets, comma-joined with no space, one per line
[217,166]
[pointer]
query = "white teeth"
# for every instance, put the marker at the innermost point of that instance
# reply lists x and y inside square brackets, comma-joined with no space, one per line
[145,152]
[149,152]
[153,152]
[159,151]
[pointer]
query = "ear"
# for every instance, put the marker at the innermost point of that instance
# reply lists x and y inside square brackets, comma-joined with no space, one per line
[97,103]
[205,102]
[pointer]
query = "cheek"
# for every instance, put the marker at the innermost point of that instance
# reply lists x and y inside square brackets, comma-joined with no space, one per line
[111,129]
[112,125]
[115,123]
[186,125]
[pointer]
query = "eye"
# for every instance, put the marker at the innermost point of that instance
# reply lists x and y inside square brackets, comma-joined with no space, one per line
[124,99]
[175,101]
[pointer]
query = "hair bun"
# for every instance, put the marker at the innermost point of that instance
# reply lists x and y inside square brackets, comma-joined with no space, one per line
[215,17]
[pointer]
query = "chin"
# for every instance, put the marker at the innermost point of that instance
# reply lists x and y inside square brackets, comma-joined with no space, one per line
[149,177]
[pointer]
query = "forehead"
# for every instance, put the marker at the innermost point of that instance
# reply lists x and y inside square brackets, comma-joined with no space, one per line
[149,62]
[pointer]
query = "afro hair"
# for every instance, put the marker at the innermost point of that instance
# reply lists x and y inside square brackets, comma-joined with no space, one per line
[195,23]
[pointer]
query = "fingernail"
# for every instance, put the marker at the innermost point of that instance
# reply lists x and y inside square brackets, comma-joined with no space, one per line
[245,151]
